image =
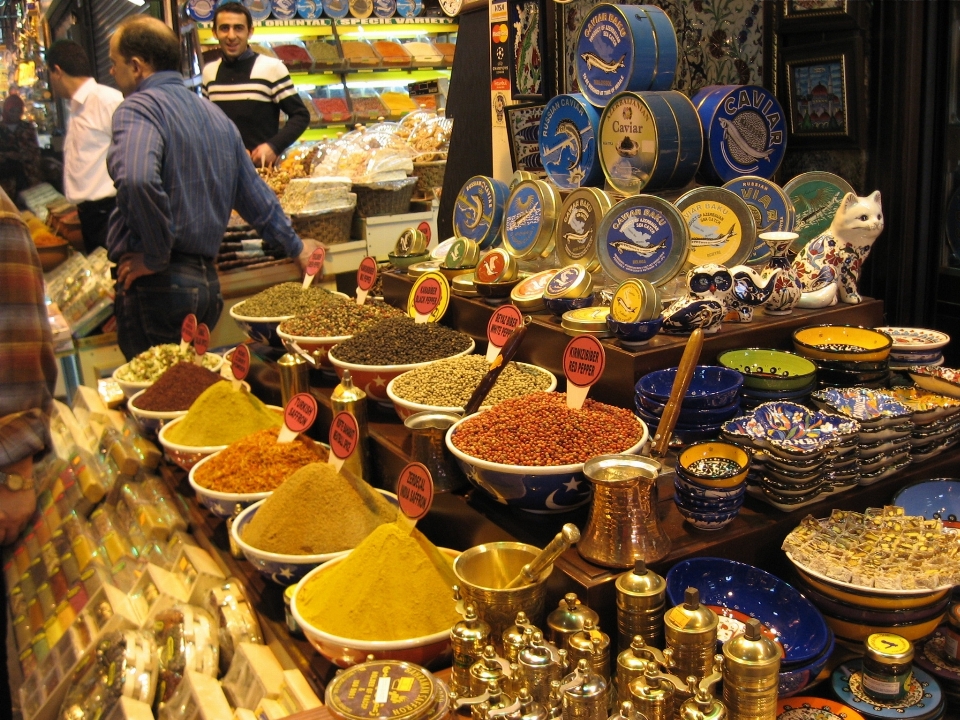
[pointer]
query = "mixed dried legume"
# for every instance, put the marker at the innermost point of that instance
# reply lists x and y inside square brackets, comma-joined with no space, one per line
[284,299]
[451,382]
[401,341]
[339,317]
[152,363]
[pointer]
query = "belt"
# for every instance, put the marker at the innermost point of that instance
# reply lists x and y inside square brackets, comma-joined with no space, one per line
[183,258]
[111,200]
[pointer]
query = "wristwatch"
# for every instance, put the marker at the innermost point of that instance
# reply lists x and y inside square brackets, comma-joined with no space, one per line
[16,481]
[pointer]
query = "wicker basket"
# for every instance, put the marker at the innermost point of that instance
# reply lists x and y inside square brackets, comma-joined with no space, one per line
[385,198]
[327,226]
[429,176]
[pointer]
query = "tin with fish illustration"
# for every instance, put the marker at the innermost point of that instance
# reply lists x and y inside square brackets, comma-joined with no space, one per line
[720,225]
[478,211]
[580,218]
[771,209]
[643,236]
[530,219]
[744,132]
[568,142]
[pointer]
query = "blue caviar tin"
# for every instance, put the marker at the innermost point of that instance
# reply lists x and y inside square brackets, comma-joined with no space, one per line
[771,209]
[568,142]
[479,210]
[201,10]
[336,8]
[744,132]
[259,9]
[691,137]
[643,236]
[309,9]
[284,9]
[409,8]
[530,220]
[385,8]
[625,47]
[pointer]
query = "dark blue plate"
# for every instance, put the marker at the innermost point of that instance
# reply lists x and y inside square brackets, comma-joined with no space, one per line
[690,416]
[712,386]
[938,499]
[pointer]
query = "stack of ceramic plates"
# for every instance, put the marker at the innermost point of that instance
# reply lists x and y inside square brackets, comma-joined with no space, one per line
[886,427]
[931,655]
[771,375]
[936,420]
[915,346]
[798,454]
[945,381]
[845,355]
[924,699]
[710,484]
[712,398]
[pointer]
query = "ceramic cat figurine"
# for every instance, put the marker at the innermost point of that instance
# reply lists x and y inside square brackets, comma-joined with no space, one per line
[704,305]
[830,263]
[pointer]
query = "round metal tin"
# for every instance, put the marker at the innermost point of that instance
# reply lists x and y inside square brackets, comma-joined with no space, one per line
[259,9]
[361,9]
[478,211]
[422,268]
[309,9]
[412,241]
[519,176]
[440,251]
[643,237]
[528,295]
[770,207]
[530,220]
[201,10]
[409,8]
[635,300]
[385,8]
[816,197]
[284,9]
[744,131]
[569,283]
[580,218]
[588,319]
[336,8]
[462,285]
[498,265]
[630,146]
[691,138]
[359,693]
[568,142]
[618,49]
[722,230]
[463,253]
[577,333]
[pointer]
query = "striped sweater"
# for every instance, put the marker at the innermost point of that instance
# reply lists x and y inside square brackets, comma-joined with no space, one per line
[252,90]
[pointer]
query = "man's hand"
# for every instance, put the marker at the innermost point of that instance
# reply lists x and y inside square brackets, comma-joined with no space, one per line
[309,245]
[16,508]
[263,155]
[130,268]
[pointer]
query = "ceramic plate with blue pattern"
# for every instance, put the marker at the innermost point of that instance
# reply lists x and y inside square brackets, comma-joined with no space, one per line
[259,9]
[201,10]
[868,407]
[309,9]
[915,338]
[924,698]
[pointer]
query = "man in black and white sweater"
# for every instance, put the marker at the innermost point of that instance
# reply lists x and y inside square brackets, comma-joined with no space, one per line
[252,89]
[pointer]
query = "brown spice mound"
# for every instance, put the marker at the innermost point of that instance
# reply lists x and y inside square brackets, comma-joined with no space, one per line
[177,388]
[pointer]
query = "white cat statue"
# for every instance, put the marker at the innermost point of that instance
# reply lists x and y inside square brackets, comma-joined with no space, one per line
[830,264]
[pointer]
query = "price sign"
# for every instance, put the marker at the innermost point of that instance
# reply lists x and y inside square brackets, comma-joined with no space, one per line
[201,341]
[502,323]
[187,330]
[314,265]
[344,437]
[298,416]
[583,362]
[429,298]
[239,365]
[366,278]
[414,492]
[424,227]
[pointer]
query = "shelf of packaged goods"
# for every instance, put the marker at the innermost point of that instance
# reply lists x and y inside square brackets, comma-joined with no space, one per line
[280,30]
[367,77]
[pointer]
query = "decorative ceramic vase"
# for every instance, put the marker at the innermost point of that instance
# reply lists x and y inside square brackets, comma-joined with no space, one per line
[787,289]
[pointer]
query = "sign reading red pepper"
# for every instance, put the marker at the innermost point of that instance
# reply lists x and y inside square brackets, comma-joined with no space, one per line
[366,277]
[424,227]
[503,322]
[314,265]
[414,493]
[188,328]
[201,341]
[240,364]
[429,298]
[298,416]
[344,437]
[583,362]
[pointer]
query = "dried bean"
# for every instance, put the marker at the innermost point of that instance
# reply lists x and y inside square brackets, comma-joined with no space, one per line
[451,382]
[285,299]
[401,341]
[339,317]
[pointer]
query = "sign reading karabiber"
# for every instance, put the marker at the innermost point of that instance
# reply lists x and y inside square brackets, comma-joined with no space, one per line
[366,278]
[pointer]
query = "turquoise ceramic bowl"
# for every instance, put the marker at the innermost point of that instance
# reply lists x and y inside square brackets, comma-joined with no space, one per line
[771,370]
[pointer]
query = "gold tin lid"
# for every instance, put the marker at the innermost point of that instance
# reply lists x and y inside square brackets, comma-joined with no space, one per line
[570,283]
[498,265]
[641,583]
[422,268]
[530,219]
[577,333]
[721,226]
[752,648]
[412,241]
[691,617]
[519,176]
[528,294]
[577,228]
[888,649]
[464,253]
[635,300]
[382,690]
[462,285]
[589,318]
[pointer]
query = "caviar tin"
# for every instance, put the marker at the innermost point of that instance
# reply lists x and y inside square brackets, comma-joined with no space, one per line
[691,137]
[309,9]
[412,241]
[530,219]
[496,266]
[441,250]
[361,9]
[744,132]
[463,286]
[625,47]
[284,9]
[816,197]
[569,283]
[580,218]
[568,142]
[385,8]
[383,690]
[422,268]
[643,237]
[201,10]
[721,227]
[635,300]
[519,176]
[409,8]
[587,321]
[463,253]
[771,209]
[259,9]
[478,211]
[336,8]
[528,295]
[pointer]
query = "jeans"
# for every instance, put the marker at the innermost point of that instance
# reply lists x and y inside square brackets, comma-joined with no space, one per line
[94,219]
[151,311]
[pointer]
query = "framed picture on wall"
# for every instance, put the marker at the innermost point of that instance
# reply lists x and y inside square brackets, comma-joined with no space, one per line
[523,128]
[529,73]
[823,84]
[807,15]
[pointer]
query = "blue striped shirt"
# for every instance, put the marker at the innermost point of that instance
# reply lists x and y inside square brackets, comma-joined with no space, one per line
[180,166]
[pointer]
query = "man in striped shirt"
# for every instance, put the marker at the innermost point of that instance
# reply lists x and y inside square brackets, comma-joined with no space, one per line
[252,89]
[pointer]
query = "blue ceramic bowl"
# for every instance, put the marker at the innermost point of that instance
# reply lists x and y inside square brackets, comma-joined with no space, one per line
[797,623]
[558,306]
[687,437]
[649,418]
[259,329]
[793,680]
[700,505]
[635,333]
[688,416]
[690,487]
[711,387]
[535,488]
[708,520]
[938,498]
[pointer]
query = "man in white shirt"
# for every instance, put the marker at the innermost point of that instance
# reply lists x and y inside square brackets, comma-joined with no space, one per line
[86,182]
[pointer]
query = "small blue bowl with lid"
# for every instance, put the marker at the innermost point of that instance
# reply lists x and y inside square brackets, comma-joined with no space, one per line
[558,306]
[634,333]
[712,386]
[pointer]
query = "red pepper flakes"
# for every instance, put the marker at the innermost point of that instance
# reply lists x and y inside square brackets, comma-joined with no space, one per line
[295,57]
[539,429]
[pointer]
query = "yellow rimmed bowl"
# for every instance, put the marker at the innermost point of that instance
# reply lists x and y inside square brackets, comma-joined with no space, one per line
[186,456]
[842,343]
[344,652]
[692,457]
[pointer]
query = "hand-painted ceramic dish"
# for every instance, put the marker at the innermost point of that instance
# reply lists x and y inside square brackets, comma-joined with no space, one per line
[795,679]
[697,425]
[936,499]
[930,654]
[710,387]
[714,464]
[945,381]
[634,334]
[927,593]
[690,416]
[922,701]
[874,616]
[792,428]
[870,597]
[707,492]
[814,708]
[871,408]
[844,343]
[707,520]
[915,338]
[773,370]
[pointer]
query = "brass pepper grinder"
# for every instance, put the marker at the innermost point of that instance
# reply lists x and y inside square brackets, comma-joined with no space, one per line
[584,695]
[555,701]
[530,709]
[568,619]
[751,671]
[631,664]
[652,696]
[690,630]
[513,637]
[347,397]
[468,638]
[235,549]
[488,667]
[702,704]
[627,712]
[294,376]
[539,666]
[641,596]
[592,645]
